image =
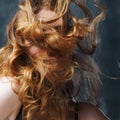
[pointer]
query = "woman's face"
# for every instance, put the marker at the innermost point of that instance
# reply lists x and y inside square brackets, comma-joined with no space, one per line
[44,15]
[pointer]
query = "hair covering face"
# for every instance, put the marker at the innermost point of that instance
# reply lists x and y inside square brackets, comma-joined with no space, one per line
[48,87]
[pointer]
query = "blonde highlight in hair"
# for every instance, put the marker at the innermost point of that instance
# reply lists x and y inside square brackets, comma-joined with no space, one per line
[46,86]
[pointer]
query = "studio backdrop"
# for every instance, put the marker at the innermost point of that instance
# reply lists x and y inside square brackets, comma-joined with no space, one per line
[107,55]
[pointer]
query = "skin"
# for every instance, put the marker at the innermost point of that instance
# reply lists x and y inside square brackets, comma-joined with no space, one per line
[9,101]
[44,15]
[90,112]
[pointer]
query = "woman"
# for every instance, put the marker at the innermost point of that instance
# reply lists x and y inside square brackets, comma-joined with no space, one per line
[47,69]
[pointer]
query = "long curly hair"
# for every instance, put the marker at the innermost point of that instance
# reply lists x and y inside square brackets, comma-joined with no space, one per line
[47,87]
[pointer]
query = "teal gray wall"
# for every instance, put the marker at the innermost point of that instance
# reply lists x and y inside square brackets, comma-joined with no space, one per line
[108,53]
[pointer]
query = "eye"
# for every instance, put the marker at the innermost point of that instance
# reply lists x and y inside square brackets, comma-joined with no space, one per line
[69,27]
[58,28]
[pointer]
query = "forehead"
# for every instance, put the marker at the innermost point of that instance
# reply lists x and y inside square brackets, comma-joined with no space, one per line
[47,15]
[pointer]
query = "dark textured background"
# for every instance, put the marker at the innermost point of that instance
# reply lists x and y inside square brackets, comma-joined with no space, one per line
[108,53]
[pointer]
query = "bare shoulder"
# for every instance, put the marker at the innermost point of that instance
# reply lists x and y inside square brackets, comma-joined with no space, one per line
[5,83]
[8,86]
[9,101]
[90,112]
[9,82]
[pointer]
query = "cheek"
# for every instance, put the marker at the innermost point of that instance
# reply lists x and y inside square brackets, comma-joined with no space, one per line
[33,50]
